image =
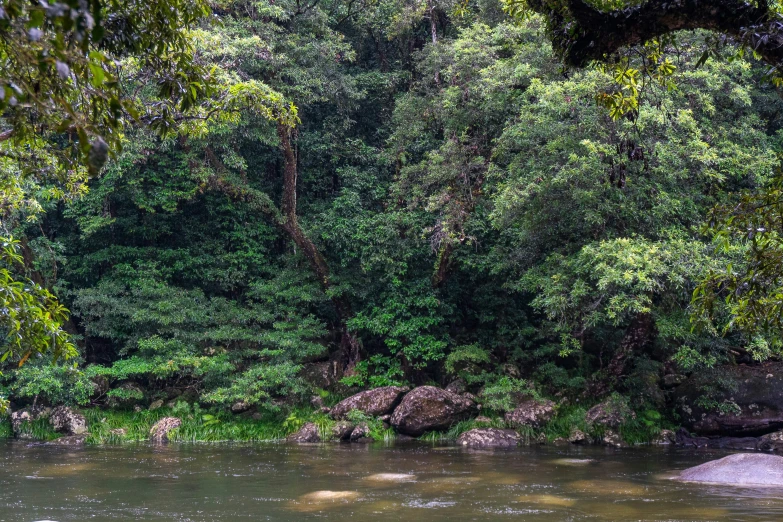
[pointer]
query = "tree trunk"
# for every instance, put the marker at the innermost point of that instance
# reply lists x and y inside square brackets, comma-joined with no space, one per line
[350,347]
[641,333]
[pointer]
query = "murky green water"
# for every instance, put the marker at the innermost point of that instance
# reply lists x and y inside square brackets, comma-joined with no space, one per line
[363,482]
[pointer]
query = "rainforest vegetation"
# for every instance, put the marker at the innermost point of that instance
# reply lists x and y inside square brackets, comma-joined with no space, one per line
[266,206]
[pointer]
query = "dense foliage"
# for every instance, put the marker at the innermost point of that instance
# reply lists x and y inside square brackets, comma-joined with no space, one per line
[416,191]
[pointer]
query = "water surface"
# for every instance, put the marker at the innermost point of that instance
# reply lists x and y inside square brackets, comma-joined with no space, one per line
[409,482]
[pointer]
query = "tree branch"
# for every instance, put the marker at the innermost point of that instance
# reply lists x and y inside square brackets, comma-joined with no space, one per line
[583,33]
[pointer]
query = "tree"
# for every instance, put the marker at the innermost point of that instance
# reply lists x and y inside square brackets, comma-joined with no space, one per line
[62,109]
[584,31]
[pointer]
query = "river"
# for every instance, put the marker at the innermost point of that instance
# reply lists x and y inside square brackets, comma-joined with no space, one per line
[410,482]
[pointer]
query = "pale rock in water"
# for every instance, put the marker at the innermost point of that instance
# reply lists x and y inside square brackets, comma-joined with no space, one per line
[741,469]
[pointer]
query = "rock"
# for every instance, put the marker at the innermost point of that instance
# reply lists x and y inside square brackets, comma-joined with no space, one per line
[240,407]
[100,385]
[578,437]
[610,438]
[664,438]
[65,420]
[471,397]
[429,408]
[160,430]
[457,386]
[683,438]
[126,395]
[489,438]
[742,469]
[531,412]
[342,430]
[610,413]
[18,420]
[771,442]
[156,405]
[322,374]
[69,440]
[307,433]
[751,396]
[511,370]
[21,417]
[316,401]
[360,432]
[379,401]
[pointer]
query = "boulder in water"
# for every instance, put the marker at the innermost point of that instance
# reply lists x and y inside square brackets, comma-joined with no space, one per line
[428,408]
[64,420]
[375,403]
[742,469]
[489,438]
[307,433]
[160,430]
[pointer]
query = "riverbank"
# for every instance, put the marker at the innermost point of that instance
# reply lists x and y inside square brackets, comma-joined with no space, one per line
[106,426]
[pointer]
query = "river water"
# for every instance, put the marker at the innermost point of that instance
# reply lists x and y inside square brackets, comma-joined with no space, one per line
[410,482]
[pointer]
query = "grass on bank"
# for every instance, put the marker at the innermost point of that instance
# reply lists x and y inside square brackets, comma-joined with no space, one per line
[200,425]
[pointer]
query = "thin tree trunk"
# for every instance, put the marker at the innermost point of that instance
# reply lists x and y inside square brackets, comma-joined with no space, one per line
[640,334]
[287,219]
[350,346]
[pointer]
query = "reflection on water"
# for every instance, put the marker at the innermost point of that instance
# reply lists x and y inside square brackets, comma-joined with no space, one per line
[410,482]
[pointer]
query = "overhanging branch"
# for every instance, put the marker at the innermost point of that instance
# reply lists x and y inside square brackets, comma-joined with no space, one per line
[582,33]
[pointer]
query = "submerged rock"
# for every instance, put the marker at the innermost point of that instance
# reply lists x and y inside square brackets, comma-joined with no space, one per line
[160,430]
[70,440]
[531,412]
[379,401]
[307,433]
[489,438]
[391,477]
[64,420]
[753,392]
[742,469]
[428,408]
